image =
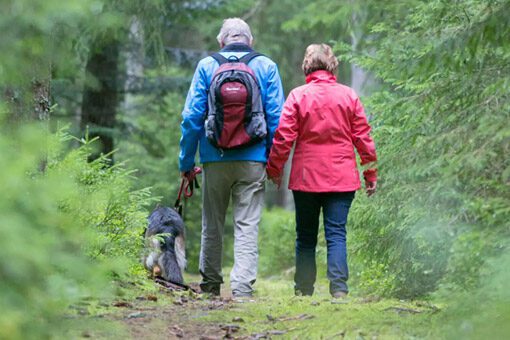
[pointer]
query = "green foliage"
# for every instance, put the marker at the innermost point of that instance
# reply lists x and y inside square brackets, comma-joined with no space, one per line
[43,267]
[115,211]
[373,277]
[442,133]
[277,235]
[33,35]
[52,222]
[481,313]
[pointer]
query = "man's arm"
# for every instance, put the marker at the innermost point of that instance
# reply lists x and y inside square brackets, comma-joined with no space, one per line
[274,103]
[193,119]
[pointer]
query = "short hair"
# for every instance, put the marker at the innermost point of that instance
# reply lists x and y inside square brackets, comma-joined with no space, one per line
[234,30]
[319,57]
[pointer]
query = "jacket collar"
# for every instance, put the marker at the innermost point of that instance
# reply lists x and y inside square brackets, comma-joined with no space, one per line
[320,76]
[236,47]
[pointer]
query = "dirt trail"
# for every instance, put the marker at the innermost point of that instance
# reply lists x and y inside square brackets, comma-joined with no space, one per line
[175,317]
[150,311]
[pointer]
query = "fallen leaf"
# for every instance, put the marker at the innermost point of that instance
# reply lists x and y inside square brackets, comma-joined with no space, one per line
[122,304]
[136,315]
[177,331]
[289,318]
[152,298]
[371,299]
[339,302]
[432,307]
[404,310]
[230,329]
[178,302]
[340,334]
[86,334]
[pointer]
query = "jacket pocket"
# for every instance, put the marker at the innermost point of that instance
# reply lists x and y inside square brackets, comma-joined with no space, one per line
[258,126]
[210,128]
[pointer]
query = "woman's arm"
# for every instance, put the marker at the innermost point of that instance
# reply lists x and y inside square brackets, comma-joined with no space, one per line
[360,131]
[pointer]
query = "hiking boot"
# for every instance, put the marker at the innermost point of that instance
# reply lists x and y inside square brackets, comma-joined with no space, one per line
[213,290]
[339,295]
[242,297]
[298,292]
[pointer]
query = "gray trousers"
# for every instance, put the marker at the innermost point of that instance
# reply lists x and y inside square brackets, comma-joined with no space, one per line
[244,181]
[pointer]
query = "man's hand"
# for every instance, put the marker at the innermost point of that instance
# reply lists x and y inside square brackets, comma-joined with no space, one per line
[370,187]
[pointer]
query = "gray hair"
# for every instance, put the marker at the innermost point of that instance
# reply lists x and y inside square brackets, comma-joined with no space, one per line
[234,30]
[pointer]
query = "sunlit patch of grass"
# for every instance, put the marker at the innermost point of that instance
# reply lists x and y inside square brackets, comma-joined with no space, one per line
[276,310]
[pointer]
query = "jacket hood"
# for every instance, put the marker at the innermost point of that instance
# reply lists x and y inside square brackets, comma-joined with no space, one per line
[321,76]
[237,47]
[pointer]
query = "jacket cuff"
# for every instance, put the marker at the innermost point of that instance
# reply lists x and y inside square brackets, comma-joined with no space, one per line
[272,172]
[370,175]
[186,167]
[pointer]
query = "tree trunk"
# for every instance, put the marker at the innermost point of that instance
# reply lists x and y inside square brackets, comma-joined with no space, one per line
[361,81]
[100,96]
[41,110]
[41,95]
[134,65]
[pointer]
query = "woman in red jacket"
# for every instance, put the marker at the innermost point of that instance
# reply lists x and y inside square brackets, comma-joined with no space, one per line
[326,122]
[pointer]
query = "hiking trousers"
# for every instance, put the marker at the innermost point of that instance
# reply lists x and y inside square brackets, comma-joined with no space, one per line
[244,182]
[335,209]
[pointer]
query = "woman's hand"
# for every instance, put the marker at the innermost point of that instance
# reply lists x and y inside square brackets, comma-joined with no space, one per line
[277,180]
[274,176]
[370,187]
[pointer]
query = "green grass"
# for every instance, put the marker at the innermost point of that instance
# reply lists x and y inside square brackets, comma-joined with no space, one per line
[318,317]
[275,312]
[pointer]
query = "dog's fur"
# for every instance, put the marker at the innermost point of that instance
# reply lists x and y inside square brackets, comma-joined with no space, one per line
[164,241]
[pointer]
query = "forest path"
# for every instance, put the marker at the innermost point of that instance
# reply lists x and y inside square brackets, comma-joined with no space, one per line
[150,311]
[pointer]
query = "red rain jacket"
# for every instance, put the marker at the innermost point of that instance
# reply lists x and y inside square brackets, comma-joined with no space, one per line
[327,121]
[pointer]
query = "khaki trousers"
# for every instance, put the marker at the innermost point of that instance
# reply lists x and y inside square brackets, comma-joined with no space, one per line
[244,182]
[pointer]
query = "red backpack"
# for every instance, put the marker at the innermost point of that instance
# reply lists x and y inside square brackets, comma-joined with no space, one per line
[235,117]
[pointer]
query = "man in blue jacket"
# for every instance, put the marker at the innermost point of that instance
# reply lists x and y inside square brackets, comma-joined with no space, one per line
[239,173]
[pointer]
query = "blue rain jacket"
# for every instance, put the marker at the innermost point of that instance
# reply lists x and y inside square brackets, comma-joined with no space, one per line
[195,109]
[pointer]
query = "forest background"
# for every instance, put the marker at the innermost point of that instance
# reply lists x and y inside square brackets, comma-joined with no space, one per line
[92,93]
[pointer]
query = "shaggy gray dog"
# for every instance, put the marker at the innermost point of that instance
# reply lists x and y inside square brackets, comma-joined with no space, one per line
[164,243]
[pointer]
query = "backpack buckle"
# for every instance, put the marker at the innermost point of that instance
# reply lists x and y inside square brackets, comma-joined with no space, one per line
[233,59]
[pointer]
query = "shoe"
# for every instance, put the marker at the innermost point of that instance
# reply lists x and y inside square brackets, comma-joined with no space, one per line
[242,297]
[297,292]
[339,295]
[213,290]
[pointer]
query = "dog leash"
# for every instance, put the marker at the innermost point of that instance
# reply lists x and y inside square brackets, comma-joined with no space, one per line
[188,182]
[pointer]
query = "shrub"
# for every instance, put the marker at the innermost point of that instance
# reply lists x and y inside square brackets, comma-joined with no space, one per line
[277,235]
[52,222]
[441,128]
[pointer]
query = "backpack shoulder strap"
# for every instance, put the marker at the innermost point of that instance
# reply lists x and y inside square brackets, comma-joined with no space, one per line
[219,58]
[249,56]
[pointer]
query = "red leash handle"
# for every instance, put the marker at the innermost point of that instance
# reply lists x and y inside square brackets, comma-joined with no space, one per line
[191,181]
[188,182]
